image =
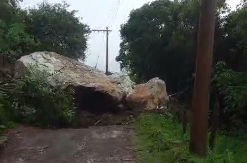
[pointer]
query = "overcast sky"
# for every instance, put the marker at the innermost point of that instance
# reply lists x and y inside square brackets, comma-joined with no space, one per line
[101,13]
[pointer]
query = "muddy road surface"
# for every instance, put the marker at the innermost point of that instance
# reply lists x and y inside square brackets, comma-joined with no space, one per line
[106,144]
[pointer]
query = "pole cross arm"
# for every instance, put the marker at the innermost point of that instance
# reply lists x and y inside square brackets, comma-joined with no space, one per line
[101,30]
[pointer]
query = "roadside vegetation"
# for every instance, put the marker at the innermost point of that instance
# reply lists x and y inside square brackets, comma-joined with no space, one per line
[160,40]
[50,27]
[159,140]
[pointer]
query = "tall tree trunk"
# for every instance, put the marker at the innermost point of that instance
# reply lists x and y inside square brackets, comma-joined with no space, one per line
[200,103]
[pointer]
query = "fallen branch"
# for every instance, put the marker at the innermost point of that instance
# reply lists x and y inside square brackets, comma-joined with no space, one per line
[98,122]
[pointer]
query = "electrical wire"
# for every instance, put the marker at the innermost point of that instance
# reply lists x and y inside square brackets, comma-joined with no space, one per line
[112,21]
[99,53]
[108,16]
[118,6]
[96,62]
[101,26]
[110,24]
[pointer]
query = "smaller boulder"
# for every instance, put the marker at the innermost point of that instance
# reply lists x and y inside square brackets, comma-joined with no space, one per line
[148,96]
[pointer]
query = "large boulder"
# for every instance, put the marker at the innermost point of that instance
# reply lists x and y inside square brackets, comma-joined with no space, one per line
[123,81]
[95,91]
[148,96]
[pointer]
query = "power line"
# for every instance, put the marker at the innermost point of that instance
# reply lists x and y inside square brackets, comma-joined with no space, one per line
[96,62]
[109,15]
[118,6]
[99,53]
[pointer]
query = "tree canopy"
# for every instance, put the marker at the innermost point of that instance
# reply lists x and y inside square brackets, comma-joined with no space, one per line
[14,40]
[58,30]
[50,27]
[159,40]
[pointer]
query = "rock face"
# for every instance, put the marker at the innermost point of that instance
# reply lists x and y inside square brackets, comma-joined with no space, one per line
[95,91]
[148,96]
[123,81]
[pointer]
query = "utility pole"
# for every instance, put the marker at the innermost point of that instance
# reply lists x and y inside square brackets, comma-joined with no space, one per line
[107,57]
[200,103]
[107,48]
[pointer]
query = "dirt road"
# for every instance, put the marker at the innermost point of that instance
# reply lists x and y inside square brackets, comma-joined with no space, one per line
[107,144]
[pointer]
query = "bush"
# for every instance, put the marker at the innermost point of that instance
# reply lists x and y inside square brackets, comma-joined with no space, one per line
[37,102]
[5,103]
[3,118]
[232,86]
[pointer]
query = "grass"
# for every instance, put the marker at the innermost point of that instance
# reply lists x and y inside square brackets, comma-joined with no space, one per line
[8,125]
[5,122]
[159,140]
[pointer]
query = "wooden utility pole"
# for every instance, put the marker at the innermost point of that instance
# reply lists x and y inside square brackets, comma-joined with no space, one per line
[200,103]
[107,48]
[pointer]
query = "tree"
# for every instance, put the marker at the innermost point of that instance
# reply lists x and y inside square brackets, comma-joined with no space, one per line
[236,39]
[201,94]
[58,30]
[14,41]
[156,41]
[232,86]
[159,39]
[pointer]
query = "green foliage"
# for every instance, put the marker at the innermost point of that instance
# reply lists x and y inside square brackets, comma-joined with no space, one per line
[32,100]
[6,120]
[58,29]
[3,117]
[36,102]
[14,41]
[236,39]
[233,87]
[50,27]
[159,39]
[158,139]
[46,28]
[5,102]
